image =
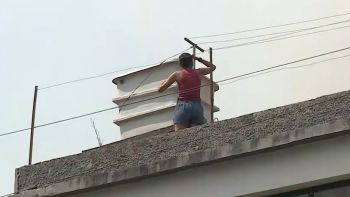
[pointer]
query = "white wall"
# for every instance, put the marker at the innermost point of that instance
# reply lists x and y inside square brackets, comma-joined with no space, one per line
[147,123]
[290,169]
[146,103]
[153,81]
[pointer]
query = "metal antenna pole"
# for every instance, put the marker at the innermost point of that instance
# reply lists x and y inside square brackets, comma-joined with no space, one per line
[32,126]
[211,87]
[194,54]
[195,46]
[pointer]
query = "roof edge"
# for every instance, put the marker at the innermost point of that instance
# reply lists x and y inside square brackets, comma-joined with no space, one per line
[143,69]
[246,148]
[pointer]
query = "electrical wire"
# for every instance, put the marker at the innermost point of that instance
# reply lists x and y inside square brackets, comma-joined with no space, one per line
[92,77]
[220,41]
[262,28]
[267,39]
[7,195]
[316,32]
[286,68]
[272,39]
[101,75]
[227,79]
[244,38]
[257,36]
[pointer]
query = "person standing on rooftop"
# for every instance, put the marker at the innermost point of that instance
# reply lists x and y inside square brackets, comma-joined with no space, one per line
[189,109]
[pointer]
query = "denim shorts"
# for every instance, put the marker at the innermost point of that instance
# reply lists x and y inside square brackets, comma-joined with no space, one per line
[188,112]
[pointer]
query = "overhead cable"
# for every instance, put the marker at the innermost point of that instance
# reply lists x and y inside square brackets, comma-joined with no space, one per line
[101,75]
[257,36]
[219,41]
[227,79]
[92,77]
[268,27]
[286,68]
[271,38]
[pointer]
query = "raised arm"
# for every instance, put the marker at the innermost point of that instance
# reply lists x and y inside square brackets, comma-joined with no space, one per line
[204,71]
[166,83]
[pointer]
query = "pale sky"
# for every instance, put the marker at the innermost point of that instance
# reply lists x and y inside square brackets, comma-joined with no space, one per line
[48,42]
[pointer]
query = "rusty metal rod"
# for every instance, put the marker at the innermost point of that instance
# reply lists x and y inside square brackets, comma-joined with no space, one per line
[32,126]
[211,86]
[194,54]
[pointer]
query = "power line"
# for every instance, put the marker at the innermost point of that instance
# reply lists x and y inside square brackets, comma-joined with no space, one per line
[101,75]
[250,37]
[13,132]
[92,77]
[273,40]
[286,68]
[270,39]
[306,34]
[228,79]
[244,38]
[108,73]
[7,195]
[262,28]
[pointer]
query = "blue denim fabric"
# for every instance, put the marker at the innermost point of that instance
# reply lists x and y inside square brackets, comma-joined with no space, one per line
[189,112]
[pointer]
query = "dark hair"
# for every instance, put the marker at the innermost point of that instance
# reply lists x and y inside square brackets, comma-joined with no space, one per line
[186,60]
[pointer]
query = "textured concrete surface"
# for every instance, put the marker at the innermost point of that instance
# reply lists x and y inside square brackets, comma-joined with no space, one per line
[131,153]
[286,139]
[145,135]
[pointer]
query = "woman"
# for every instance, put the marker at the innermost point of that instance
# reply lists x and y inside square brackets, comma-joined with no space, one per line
[189,109]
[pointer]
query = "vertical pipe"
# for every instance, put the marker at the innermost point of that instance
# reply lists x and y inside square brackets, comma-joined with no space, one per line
[211,87]
[32,126]
[194,54]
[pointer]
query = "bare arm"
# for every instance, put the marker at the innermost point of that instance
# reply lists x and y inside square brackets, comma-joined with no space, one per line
[204,71]
[166,83]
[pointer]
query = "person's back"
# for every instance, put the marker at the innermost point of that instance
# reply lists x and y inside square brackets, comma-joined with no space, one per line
[189,109]
[189,86]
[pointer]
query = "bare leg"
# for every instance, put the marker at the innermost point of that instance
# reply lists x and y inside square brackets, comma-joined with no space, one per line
[179,127]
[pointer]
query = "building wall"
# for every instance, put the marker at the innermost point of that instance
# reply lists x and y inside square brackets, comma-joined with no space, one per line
[233,131]
[265,174]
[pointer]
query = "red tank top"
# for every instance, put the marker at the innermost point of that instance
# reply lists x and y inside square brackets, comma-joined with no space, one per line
[189,87]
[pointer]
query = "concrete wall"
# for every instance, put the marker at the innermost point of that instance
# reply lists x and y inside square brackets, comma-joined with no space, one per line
[128,153]
[280,171]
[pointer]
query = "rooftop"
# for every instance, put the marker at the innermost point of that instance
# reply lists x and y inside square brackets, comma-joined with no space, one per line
[165,151]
